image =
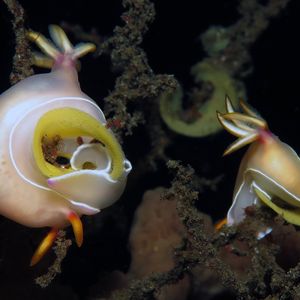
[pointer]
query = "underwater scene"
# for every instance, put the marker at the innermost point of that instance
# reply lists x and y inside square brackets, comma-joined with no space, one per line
[149,150]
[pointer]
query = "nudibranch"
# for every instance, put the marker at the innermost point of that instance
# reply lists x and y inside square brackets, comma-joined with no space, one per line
[59,160]
[269,172]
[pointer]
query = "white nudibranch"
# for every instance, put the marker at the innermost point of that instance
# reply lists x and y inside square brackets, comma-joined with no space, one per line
[269,173]
[58,159]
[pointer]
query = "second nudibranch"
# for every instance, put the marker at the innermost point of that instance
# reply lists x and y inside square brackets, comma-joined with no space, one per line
[269,172]
[58,159]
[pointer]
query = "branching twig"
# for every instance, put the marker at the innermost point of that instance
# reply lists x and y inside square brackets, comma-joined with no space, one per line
[22,59]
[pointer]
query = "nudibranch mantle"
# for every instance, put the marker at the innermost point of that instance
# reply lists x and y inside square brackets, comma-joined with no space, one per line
[58,160]
[269,172]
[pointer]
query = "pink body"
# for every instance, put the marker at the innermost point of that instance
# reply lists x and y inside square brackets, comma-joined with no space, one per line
[272,166]
[19,200]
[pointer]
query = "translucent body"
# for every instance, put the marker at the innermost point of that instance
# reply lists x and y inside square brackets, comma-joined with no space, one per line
[26,195]
[20,201]
[270,170]
[271,166]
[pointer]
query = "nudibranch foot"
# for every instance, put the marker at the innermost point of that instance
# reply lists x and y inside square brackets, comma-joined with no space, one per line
[44,246]
[60,51]
[291,215]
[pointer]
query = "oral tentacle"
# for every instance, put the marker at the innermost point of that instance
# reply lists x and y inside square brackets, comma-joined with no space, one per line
[218,226]
[77,227]
[44,246]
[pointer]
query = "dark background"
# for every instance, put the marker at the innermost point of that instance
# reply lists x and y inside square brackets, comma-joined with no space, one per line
[172,47]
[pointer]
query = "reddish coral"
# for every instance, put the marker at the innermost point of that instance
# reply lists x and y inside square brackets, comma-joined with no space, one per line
[157,230]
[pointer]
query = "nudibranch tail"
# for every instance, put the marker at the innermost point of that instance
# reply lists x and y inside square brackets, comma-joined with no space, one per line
[60,45]
[247,126]
[44,246]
